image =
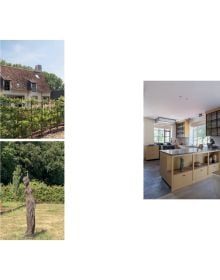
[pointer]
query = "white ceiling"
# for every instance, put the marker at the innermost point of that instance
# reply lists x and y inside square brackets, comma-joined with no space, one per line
[162,98]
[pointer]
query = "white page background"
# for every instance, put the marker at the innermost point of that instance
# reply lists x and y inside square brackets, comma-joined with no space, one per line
[110,48]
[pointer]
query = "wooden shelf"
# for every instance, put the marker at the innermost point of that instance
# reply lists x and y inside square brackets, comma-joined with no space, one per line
[202,165]
[186,169]
[213,163]
[170,168]
[182,129]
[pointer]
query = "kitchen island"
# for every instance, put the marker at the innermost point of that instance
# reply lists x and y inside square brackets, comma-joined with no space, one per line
[183,167]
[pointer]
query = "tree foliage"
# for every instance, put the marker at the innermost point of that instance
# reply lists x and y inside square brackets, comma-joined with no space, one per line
[54,82]
[44,161]
[5,63]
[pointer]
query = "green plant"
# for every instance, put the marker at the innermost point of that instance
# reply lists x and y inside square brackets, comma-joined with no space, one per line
[42,193]
[22,118]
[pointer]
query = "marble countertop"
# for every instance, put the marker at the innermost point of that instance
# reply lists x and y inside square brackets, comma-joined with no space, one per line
[188,151]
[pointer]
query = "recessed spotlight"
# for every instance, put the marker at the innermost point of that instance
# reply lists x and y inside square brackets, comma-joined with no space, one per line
[180,96]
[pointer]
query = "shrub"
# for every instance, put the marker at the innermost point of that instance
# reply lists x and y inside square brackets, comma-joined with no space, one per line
[42,193]
[23,118]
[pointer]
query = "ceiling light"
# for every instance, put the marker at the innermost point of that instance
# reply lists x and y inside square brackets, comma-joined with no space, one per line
[164,120]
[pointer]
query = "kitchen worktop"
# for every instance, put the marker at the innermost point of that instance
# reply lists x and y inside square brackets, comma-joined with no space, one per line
[188,151]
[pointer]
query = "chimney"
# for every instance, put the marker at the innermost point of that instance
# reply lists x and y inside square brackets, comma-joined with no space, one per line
[38,68]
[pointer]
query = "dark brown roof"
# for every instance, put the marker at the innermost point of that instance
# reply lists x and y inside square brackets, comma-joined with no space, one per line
[20,77]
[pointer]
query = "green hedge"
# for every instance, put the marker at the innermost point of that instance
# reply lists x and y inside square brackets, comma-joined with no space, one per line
[42,193]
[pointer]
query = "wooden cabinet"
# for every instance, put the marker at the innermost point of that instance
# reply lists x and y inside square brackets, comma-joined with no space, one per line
[200,173]
[213,167]
[182,129]
[213,122]
[151,152]
[181,180]
[180,170]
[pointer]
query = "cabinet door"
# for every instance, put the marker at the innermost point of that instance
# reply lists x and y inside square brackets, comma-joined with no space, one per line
[213,168]
[209,117]
[200,173]
[209,124]
[214,116]
[214,132]
[182,179]
[208,132]
[214,123]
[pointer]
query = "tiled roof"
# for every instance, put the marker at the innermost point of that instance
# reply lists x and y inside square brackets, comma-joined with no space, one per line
[20,77]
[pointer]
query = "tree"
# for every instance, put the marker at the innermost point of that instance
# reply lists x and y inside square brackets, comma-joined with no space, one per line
[44,161]
[54,82]
[8,161]
[5,63]
[53,160]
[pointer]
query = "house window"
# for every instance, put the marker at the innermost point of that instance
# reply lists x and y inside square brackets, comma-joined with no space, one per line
[199,135]
[33,87]
[7,85]
[162,135]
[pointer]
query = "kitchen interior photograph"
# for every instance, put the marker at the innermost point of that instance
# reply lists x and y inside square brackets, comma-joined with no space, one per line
[181,139]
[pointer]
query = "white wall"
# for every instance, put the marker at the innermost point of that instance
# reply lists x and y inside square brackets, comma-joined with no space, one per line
[148,131]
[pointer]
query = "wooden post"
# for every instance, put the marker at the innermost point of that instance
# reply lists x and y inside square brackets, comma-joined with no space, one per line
[30,208]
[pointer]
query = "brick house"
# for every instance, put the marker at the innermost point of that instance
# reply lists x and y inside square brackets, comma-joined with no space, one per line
[22,83]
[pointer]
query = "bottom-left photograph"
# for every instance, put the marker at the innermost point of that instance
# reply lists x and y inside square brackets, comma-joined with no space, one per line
[32,190]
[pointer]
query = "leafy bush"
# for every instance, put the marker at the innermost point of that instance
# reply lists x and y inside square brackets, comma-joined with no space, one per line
[42,193]
[23,118]
[44,161]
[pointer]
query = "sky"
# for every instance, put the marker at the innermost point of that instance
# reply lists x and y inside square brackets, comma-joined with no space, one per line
[48,53]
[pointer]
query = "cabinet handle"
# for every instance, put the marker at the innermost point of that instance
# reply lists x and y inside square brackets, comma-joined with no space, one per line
[184,175]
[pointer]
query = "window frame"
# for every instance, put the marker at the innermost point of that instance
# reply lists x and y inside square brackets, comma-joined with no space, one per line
[161,135]
[9,85]
[35,88]
[196,139]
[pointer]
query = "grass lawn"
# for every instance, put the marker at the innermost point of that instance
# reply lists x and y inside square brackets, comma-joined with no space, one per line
[49,223]
[11,204]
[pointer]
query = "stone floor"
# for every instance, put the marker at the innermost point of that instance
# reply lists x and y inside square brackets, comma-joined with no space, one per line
[156,187]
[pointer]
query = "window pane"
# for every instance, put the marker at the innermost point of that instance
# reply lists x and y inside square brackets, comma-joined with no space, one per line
[199,135]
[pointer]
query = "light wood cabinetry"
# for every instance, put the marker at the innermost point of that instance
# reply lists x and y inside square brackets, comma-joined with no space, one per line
[151,152]
[182,129]
[200,173]
[182,179]
[196,166]
[213,167]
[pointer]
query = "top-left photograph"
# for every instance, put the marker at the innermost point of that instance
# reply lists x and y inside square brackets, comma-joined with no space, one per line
[32,89]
